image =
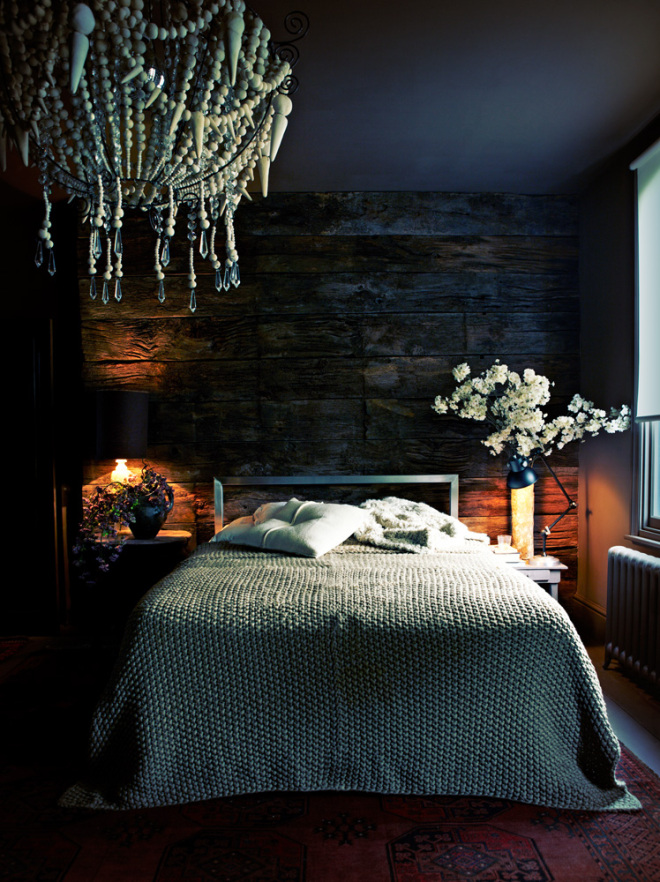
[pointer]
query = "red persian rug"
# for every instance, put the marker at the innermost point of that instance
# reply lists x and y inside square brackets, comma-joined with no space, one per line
[328,837]
[286,837]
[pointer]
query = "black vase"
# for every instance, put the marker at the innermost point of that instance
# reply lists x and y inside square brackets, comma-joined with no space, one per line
[149,518]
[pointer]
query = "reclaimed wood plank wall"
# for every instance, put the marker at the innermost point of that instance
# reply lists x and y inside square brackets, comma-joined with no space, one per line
[353,309]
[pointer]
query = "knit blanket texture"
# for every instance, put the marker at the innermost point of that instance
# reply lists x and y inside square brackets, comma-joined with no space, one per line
[252,671]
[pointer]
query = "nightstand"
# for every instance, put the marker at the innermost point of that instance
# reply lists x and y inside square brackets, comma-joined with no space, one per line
[105,606]
[544,571]
[548,575]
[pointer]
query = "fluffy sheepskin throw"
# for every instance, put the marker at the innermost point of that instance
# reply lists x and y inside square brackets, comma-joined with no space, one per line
[413,526]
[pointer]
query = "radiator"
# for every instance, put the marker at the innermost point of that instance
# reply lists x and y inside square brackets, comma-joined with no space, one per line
[632,631]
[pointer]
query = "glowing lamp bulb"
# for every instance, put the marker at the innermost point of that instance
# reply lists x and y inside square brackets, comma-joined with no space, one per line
[121,474]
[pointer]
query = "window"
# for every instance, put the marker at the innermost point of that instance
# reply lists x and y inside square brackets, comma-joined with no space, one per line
[646,509]
[646,501]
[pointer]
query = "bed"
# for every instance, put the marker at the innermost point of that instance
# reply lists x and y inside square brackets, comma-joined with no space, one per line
[429,670]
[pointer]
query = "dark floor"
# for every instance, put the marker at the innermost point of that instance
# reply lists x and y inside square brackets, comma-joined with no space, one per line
[633,711]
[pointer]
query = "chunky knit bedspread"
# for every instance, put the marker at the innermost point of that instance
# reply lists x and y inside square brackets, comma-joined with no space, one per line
[248,671]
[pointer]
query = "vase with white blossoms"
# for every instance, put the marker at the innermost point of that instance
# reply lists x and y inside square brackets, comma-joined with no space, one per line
[511,405]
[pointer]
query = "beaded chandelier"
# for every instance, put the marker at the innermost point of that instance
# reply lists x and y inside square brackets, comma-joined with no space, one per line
[155,106]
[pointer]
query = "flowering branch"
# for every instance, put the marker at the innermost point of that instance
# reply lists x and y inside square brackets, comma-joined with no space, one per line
[512,404]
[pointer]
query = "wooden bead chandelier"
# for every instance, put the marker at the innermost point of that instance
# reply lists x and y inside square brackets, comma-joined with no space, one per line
[159,107]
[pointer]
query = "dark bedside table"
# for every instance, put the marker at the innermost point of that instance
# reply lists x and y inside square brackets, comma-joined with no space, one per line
[104,607]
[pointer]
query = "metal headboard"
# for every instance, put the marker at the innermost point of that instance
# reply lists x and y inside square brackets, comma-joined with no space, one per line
[311,480]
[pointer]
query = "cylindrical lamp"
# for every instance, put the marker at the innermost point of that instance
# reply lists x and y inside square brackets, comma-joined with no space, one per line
[520,481]
[121,427]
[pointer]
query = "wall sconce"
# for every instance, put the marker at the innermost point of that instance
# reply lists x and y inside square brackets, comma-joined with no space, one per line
[121,428]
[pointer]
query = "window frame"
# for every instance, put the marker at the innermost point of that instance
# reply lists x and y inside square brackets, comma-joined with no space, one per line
[645,527]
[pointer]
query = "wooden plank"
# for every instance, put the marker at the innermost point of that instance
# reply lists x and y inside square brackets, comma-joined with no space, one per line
[392,378]
[345,293]
[546,333]
[210,380]
[418,214]
[171,339]
[414,290]
[400,253]
[381,213]
[295,254]
[202,461]
[341,292]
[404,334]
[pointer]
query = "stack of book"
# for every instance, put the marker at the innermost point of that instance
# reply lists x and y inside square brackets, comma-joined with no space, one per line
[506,553]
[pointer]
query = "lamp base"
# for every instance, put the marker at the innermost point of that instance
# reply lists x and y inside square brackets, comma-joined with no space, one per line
[543,560]
[522,521]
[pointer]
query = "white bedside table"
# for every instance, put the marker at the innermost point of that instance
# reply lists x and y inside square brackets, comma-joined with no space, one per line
[545,572]
[547,575]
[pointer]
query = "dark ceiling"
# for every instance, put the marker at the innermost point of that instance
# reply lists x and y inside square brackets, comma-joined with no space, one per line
[465,95]
[522,96]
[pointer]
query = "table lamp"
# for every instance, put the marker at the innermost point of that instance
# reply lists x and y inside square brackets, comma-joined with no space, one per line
[121,428]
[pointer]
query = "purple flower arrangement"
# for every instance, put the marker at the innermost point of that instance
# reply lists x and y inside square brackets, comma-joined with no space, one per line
[110,509]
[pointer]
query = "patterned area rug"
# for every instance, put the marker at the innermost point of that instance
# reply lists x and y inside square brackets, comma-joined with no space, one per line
[286,837]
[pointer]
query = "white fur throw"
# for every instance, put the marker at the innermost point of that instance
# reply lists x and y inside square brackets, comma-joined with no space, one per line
[413,526]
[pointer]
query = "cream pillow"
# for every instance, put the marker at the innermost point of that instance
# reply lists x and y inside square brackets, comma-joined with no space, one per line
[267,510]
[309,529]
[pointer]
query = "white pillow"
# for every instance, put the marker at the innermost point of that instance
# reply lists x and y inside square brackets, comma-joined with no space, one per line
[267,510]
[309,529]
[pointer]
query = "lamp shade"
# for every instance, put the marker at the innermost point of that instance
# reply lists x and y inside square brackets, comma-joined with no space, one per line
[521,474]
[121,424]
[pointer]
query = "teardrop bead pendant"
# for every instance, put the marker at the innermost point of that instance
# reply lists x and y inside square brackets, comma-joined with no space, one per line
[161,291]
[105,296]
[39,255]
[51,262]
[92,288]
[117,290]
[165,254]
[203,245]
[97,248]
[193,301]
[218,280]
[119,245]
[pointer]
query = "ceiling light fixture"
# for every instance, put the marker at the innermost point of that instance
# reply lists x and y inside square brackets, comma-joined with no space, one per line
[146,105]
